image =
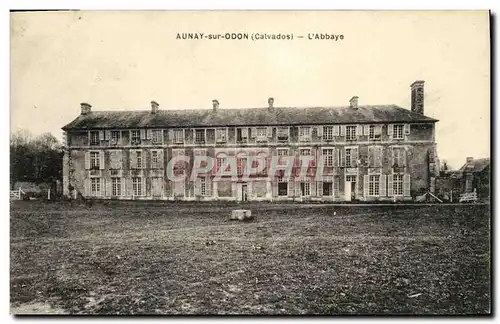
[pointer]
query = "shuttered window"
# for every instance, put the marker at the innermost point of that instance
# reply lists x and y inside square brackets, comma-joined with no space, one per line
[374,185]
[137,186]
[350,133]
[397,184]
[135,137]
[328,157]
[397,131]
[157,136]
[328,133]
[116,187]
[95,187]
[221,135]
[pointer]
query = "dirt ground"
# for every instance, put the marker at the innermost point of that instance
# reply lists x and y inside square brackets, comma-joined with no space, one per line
[188,258]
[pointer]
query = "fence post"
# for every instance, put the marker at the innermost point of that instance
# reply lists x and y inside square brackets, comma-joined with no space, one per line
[48,194]
[19,193]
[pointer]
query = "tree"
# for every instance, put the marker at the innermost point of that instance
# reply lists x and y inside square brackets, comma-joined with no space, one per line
[35,159]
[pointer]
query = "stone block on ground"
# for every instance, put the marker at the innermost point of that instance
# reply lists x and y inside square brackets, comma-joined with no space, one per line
[241,214]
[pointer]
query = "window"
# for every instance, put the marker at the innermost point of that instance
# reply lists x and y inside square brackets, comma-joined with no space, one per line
[95,162]
[282,152]
[305,152]
[350,133]
[282,134]
[115,137]
[371,132]
[305,133]
[327,189]
[200,136]
[94,138]
[240,164]
[282,187]
[373,185]
[328,133]
[398,157]
[397,184]
[178,136]
[328,157]
[154,160]
[139,159]
[221,164]
[116,187]
[95,187]
[348,157]
[221,135]
[157,136]
[241,135]
[305,188]
[397,131]
[260,132]
[137,186]
[135,137]
[203,186]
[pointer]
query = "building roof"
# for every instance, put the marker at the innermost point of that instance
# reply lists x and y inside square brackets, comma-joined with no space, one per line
[248,116]
[477,165]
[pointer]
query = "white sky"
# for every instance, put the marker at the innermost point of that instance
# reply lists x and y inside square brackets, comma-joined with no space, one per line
[123,60]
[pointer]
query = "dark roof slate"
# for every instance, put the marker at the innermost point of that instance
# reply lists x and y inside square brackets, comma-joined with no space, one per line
[477,165]
[249,116]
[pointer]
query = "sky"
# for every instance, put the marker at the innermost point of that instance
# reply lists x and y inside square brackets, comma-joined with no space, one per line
[121,60]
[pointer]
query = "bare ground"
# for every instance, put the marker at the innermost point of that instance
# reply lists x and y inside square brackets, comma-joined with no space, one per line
[188,258]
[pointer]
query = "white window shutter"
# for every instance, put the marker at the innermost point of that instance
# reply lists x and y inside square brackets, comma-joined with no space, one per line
[170,134]
[407,129]
[244,132]
[87,160]
[143,134]
[406,185]
[86,187]
[253,132]
[149,133]
[378,156]
[103,187]
[366,130]
[392,157]
[404,153]
[107,135]
[371,156]
[119,157]
[383,182]
[197,185]
[359,130]
[108,186]
[354,156]
[342,157]
[342,130]
[320,131]
[336,130]
[269,132]
[378,130]
[123,182]
[390,129]
[101,135]
[390,186]
[319,188]
[133,160]
[291,188]
[366,185]
[160,159]
[101,160]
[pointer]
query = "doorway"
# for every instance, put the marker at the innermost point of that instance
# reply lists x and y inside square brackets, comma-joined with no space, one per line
[350,187]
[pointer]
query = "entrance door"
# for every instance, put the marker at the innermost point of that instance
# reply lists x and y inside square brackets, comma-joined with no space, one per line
[157,187]
[347,190]
[244,192]
[350,187]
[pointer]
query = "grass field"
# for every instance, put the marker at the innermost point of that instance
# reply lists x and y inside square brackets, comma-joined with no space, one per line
[188,258]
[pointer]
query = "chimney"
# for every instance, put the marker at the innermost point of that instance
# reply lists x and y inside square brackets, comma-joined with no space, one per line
[417,97]
[354,102]
[85,108]
[154,107]
[270,101]
[469,159]
[215,104]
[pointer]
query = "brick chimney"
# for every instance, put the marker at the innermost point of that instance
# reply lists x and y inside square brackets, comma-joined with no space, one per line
[154,107]
[85,108]
[215,104]
[417,97]
[353,103]
[270,102]
[469,159]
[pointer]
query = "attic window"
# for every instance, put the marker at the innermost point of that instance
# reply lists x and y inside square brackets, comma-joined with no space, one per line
[94,138]
[135,137]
